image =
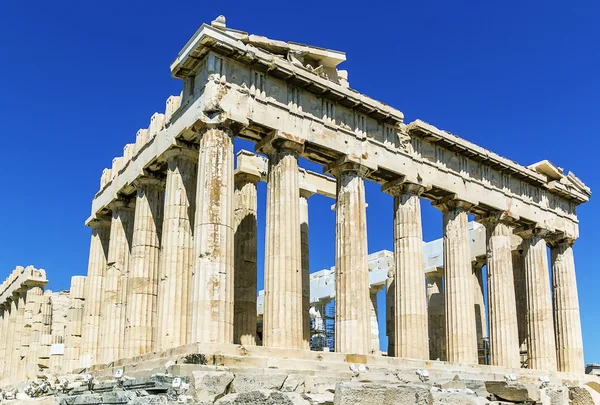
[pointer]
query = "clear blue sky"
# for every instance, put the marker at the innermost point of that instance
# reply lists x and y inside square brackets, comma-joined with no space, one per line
[78,78]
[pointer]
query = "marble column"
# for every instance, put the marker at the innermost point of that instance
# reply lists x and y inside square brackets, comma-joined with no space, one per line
[177,255]
[4,342]
[18,355]
[7,371]
[93,292]
[411,301]
[569,343]
[521,302]
[352,298]
[504,329]
[390,312]
[304,247]
[283,325]
[436,316]
[46,333]
[74,324]
[142,282]
[541,346]
[31,331]
[461,332]
[112,334]
[480,312]
[212,278]
[374,324]
[3,338]
[245,262]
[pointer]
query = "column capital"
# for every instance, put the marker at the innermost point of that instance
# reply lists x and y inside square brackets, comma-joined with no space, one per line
[227,125]
[123,203]
[451,202]
[529,231]
[496,217]
[401,186]
[99,221]
[554,240]
[242,176]
[350,163]
[181,152]
[148,180]
[279,141]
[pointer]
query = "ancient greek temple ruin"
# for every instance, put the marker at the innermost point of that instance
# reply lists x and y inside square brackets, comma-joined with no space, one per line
[173,252]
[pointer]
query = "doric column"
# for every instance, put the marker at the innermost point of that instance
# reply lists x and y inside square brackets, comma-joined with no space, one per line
[541,346]
[18,356]
[479,301]
[569,343]
[93,291]
[32,331]
[142,283]
[74,322]
[304,247]
[3,317]
[112,330]
[245,228]
[282,319]
[212,279]
[390,312]
[352,298]
[504,329]
[177,255]
[521,300]
[436,316]
[411,303]
[374,324]
[461,333]
[46,333]
[7,372]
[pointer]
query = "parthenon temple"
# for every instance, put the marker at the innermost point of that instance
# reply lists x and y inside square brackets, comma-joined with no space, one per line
[173,256]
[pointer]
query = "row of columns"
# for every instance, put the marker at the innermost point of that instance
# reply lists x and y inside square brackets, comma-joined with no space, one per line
[174,275]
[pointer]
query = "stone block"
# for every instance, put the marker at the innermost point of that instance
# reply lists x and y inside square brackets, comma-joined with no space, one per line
[253,382]
[555,396]
[456,383]
[350,393]
[583,395]
[294,383]
[208,386]
[263,397]
[513,391]
[452,398]
[118,397]
[89,399]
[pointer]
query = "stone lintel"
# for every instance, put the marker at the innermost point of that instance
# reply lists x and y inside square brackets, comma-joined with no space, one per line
[20,280]
[350,163]
[279,140]
[400,186]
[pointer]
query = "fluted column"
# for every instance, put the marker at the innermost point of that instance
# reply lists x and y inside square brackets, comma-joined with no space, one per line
[352,299]
[521,301]
[390,312]
[3,335]
[46,333]
[142,283]
[436,316]
[304,247]
[18,354]
[504,328]
[480,311]
[112,330]
[282,319]
[177,256]
[411,302]
[31,331]
[569,343]
[541,346]
[212,279]
[5,343]
[245,228]
[93,291]
[374,324]
[461,332]
[74,322]
[7,372]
